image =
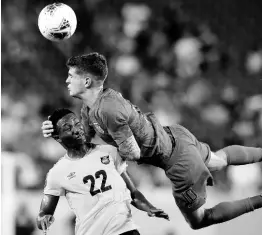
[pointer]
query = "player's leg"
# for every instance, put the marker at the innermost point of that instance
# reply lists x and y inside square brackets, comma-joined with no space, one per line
[234,155]
[189,177]
[241,155]
[132,232]
[222,212]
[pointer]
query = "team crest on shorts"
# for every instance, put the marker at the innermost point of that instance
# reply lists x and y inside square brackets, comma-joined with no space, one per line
[105,159]
[98,128]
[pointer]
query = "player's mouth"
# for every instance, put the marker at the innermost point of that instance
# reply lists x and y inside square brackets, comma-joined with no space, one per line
[80,136]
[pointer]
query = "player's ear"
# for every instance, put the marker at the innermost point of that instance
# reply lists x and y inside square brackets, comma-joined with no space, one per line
[88,82]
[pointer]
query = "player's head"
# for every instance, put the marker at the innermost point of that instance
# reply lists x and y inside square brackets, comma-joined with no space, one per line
[86,71]
[68,129]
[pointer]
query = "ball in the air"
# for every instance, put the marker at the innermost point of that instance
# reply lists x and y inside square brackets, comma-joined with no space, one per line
[57,22]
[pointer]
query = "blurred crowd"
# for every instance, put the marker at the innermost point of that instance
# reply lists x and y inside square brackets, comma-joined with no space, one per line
[161,57]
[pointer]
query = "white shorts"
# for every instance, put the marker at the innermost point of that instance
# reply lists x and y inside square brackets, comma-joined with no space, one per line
[115,218]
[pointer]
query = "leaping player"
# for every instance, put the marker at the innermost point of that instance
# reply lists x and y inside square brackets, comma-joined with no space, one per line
[89,177]
[187,162]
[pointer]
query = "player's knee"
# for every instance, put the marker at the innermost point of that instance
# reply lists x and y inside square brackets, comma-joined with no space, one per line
[195,225]
[200,219]
[195,219]
[218,161]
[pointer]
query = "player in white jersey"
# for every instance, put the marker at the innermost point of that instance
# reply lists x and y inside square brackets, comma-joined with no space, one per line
[89,177]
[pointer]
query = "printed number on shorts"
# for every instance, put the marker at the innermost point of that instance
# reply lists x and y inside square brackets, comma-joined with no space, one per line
[103,187]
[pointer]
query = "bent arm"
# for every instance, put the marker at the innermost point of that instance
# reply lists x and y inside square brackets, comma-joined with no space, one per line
[115,116]
[140,202]
[48,206]
[138,199]
[129,149]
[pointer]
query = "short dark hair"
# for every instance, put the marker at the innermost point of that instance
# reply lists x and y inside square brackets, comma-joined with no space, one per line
[56,116]
[93,63]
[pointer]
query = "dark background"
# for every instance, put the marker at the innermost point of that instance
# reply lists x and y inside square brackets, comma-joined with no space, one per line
[197,63]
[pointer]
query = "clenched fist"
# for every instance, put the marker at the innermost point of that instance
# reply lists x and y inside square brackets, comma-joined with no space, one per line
[44,222]
[47,128]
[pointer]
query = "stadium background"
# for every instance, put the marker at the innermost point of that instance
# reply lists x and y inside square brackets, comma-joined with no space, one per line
[197,63]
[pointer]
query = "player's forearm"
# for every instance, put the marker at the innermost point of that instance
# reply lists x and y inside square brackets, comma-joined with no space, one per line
[47,208]
[129,149]
[140,202]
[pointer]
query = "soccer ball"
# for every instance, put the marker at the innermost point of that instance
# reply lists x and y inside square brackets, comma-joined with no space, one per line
[57,22]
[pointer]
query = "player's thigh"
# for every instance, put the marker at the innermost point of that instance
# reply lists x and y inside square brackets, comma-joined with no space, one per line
[218,161]
[132,232]
[189,176]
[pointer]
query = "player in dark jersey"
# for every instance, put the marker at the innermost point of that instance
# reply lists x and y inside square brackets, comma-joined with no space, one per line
[186,161]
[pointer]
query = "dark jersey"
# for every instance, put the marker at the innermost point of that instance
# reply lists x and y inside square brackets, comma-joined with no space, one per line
[174,149]
[115,119]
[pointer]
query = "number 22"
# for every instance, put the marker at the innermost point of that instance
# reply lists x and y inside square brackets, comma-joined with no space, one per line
[103,188]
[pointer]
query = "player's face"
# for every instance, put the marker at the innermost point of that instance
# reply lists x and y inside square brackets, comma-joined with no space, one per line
[71,131]
[75,82]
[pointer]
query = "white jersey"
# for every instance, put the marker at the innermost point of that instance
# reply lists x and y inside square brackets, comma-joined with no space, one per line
[95,191]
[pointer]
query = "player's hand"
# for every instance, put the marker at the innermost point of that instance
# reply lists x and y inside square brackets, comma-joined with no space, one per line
[47,128]
[154,212]
[45,221]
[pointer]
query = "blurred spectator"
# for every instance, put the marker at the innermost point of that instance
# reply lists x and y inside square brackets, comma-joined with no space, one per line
[254,62]
[179,60]
[25,224]
[188,56]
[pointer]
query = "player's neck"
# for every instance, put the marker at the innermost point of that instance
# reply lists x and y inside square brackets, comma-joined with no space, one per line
[90,97]
[79,153]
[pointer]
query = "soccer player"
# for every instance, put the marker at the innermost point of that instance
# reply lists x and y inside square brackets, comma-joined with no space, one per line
[89,177]
[187,162]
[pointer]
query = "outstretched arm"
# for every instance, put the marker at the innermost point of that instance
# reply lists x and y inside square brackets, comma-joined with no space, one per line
[140,202]
[45,216]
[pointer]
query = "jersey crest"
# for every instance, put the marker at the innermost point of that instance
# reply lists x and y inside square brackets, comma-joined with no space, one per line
[105,159]
[71,175]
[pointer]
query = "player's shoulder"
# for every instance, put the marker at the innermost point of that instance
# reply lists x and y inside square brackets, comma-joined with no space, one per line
[110,99]
[58,167]
[112,103]
[103,152]
[106,148]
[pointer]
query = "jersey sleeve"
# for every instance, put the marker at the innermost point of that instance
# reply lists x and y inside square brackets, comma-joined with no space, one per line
[115,115]
[52,185]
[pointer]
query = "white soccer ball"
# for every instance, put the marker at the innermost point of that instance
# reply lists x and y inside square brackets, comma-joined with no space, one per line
[57,22]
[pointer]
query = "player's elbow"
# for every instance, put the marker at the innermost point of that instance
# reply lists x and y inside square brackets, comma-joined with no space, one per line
[130,156]
[201,222]
[197,219]
[135,155]
[129,149]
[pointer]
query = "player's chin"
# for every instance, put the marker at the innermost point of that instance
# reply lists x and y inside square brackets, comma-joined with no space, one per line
[74,94]
[71,93]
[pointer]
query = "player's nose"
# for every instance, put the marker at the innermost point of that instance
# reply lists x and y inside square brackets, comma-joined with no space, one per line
[76,132]
[68,80]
